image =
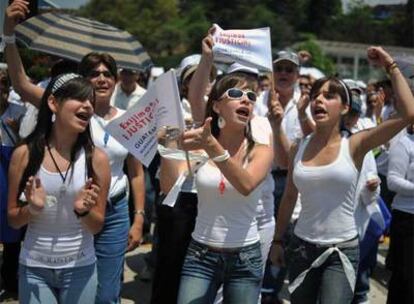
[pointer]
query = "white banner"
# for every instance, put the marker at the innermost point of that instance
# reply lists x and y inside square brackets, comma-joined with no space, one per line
[248,47]
[137,128]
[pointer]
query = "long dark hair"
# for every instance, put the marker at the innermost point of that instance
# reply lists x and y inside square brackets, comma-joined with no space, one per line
[4,93]
[77,88]
[222,85]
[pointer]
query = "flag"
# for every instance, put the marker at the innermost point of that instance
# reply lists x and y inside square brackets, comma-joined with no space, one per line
[137,128]
[248,47]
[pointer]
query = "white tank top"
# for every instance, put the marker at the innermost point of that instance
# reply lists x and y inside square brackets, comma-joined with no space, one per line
[327,196]
[56,238]
[227,219]
[113,149]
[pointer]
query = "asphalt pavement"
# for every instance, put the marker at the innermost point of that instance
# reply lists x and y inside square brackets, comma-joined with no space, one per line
[137,279]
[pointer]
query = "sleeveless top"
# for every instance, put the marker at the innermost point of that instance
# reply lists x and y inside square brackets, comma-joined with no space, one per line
[115,151]
[328,197]
[225,219]
[56,238]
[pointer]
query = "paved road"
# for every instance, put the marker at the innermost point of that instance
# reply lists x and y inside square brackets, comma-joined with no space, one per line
[138,291]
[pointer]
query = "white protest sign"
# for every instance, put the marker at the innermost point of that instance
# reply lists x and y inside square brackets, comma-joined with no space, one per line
[248,47]
[137,128]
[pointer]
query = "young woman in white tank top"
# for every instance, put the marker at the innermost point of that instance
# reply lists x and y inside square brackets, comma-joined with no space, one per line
[324,169]
[65,181]
[117,235]
[225,248]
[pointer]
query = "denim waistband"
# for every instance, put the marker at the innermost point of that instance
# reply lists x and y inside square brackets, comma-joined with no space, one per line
[224,250]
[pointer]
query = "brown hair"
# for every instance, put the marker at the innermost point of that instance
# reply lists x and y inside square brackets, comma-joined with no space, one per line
[220,87]
[92,60]
[336,86]
[4,94]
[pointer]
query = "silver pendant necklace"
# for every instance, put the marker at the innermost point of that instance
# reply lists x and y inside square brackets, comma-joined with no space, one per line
[63,187]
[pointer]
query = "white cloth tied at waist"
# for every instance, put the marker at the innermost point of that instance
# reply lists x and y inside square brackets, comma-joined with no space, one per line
[346,263]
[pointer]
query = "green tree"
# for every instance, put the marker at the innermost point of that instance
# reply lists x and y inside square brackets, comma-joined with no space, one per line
[320,13]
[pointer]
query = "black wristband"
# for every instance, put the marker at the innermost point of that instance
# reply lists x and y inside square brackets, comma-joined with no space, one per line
[78,214]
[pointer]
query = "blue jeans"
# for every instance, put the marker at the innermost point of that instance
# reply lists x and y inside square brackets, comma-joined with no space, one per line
[75,285]
[110,247]
[205,270]
[273,285]
[326,284]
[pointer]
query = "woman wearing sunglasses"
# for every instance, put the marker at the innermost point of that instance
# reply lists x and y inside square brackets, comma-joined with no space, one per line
[324,168]
[117,236]
[225,247]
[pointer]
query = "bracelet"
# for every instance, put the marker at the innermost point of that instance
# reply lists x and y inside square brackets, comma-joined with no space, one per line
[140,212]
[221,158]
[81,214]
[390,67]
[8,39]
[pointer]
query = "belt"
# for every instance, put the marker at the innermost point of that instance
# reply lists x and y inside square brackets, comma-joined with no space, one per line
[279,172]
[223,250]
[117,198]
[220,249]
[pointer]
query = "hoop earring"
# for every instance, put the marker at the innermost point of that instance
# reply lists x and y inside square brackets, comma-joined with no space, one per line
[53,117]
[221,122]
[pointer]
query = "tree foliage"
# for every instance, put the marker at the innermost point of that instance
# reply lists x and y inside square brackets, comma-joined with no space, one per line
[172,29]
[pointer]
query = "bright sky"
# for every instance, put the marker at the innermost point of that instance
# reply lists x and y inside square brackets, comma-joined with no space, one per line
[346,3]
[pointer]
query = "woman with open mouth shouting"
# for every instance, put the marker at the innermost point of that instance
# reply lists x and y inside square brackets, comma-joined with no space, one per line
[65,181]
[116,236]
[225,246]
[324,168]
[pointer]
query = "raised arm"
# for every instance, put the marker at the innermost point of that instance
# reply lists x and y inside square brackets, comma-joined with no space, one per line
[366,140]
[200,80]
[20,82]
[281,143]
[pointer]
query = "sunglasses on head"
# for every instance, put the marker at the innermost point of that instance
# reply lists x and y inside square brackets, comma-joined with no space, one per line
[96,73]
[287,69]
[235,93]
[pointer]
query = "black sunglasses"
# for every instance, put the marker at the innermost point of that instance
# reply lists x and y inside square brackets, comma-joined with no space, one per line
[287,69]
[96,73]
[235,93]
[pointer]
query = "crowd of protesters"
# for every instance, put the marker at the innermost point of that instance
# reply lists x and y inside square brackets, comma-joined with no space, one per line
[300,178]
